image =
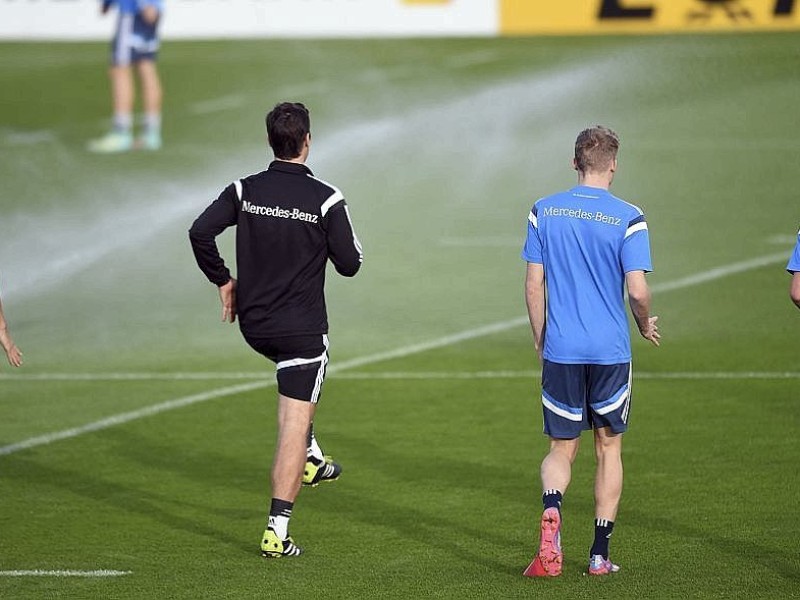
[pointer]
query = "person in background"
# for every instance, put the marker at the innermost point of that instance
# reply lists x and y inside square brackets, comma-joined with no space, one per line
[135,46]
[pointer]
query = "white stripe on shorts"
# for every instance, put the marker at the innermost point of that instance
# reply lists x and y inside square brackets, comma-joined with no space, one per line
[320,372]
[577,417]
[623,397]
[322,359]
[122,53]
[630,391]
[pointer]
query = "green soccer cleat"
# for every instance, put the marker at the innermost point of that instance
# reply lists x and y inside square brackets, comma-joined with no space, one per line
[113,142]
[274,547]
[316,472]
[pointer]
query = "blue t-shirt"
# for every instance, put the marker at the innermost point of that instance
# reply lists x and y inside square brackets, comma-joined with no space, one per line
[794,261]
[587,239]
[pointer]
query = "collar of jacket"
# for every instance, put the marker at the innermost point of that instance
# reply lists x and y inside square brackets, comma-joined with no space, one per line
[289,167]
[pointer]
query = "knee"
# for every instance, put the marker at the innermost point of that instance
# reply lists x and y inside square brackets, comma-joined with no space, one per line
[608,445]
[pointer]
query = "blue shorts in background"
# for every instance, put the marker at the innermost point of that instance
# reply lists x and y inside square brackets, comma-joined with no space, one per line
[135,39]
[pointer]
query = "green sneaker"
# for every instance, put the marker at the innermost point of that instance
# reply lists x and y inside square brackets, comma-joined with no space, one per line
[112,143]
[274,547]
[316,472]
[149,140]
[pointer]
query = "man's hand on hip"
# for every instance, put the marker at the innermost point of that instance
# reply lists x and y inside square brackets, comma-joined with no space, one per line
[227,295]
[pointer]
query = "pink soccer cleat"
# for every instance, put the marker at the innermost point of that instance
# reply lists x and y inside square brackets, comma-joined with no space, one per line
[601,566]
[547,563]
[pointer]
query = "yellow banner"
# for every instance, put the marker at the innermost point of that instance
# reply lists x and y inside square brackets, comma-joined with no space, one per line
[522,17]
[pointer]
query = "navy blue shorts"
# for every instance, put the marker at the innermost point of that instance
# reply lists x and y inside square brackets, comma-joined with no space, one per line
[300,363]
[580,397]
[134,40]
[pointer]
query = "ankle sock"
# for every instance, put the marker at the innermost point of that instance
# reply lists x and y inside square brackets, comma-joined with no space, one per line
[123,122]
[602,534]
[314,451]
[279,514]
[552,499]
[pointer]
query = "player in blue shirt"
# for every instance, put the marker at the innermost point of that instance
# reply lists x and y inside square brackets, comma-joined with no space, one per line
[135,43]
[583,247]
[794,268]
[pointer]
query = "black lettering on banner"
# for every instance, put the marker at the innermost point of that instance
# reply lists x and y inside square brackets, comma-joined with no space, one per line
[783,8]
[613,9]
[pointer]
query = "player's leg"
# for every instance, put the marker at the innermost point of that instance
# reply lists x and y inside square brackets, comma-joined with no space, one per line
[301,363]
[610,398]
[563,400]
[556,472]
[122,93]
[120,138]
[145,55]
[152,97]
[556,469]
[294,420]
[607,494]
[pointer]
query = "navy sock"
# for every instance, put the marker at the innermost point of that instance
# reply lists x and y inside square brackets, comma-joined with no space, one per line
[602,533]
[552,499]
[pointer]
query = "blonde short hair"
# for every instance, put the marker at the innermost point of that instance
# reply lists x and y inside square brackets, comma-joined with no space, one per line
[595,149]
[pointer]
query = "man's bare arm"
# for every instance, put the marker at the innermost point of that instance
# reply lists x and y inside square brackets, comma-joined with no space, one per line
[794,290]
[639,300]
[12,352]
[535,299]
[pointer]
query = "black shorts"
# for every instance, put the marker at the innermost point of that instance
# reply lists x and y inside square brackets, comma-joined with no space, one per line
[300,362]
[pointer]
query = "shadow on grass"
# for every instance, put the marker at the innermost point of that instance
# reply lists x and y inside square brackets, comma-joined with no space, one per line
[135,500]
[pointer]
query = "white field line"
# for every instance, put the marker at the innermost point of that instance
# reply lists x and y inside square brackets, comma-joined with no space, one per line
[448,340]
[377,375]
[720,272]
[142,376]
[532,374]
[63,573]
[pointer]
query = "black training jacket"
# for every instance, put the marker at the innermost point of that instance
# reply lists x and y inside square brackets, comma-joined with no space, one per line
[288,224]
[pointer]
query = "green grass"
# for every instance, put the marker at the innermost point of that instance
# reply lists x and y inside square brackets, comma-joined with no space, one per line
[440,146]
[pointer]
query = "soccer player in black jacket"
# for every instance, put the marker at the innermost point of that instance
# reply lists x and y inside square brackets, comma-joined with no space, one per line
[288,225]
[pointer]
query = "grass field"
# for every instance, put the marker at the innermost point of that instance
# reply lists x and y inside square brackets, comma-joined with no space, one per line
[138,436]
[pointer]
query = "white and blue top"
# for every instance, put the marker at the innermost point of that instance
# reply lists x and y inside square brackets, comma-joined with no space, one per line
[587,239]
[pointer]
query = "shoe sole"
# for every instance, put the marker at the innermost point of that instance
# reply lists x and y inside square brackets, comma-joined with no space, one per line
[321,481]
[550,547]
[602,572]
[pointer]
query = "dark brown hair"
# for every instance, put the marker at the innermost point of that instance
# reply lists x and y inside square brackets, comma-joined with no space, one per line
[287,126]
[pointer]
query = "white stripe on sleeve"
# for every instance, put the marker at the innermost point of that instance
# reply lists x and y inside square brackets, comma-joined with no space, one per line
[330,202]
[640,226]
